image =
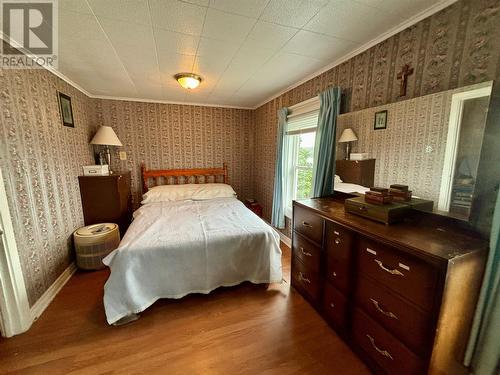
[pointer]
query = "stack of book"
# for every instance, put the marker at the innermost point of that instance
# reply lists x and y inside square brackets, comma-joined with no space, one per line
[400,193]
[462,196]
[378,195]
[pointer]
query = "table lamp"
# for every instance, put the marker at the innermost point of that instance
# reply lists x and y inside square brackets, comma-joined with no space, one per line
[106,137]
[347,137]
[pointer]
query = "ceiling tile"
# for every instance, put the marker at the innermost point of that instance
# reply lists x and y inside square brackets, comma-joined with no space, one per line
[136,11]
[269,35]
[224,26]
[173,63]
[294,13]
[173,42]
[178,16]
[74,6]
[315,45]
[249,8]
[337,19]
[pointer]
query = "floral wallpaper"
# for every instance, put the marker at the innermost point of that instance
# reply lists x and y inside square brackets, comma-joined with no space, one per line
[167,136]
[40,160]
[455,47]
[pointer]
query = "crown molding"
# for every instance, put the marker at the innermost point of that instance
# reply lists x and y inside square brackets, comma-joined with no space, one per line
[402,26]
[127,99]
[386,35]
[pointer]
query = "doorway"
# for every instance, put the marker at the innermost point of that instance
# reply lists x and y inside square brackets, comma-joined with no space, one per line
[15,316]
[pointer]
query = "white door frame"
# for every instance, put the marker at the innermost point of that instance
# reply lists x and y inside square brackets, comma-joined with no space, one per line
[450,156]
[15,315]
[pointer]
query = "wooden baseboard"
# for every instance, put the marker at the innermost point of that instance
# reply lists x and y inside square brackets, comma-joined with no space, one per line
[285,239]
[44,301]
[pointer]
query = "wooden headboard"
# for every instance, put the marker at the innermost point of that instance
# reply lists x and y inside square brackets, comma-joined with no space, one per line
[182,176]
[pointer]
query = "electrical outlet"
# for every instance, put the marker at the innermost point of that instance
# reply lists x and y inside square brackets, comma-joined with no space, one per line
[123,155]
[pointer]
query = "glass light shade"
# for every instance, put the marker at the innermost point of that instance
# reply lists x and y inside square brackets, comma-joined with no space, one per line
[348,135]
[188,80]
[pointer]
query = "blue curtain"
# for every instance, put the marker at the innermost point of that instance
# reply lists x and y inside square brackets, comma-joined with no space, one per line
[278,214]
[324,148]
[483,349]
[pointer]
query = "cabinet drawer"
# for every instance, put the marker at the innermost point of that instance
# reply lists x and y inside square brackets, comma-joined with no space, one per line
[383,348]
[334,305]
[407,275]
[308,223]
[308,253]
[410,325]
[338,254]
[305,279]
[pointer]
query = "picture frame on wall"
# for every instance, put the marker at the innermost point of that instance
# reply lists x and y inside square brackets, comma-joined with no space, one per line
[66,110]
[380,121]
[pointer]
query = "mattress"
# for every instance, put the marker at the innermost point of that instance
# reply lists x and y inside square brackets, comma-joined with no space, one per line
[172,249]
[345,187]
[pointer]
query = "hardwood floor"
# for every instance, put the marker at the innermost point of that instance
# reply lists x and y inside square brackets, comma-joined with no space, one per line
[241,330]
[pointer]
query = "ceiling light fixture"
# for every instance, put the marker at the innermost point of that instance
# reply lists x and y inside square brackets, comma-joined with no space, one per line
[188,80]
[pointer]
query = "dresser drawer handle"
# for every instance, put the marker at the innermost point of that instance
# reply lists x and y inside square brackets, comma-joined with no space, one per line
[337,241]
[385,353]
[386,313]
[307,254]
[306,224]
[392,272]
[302,278]
[332,305]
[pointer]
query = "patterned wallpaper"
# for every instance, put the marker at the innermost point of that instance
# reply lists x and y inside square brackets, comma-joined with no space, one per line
[40,161]
[168,136]
[400,149]
[455,47]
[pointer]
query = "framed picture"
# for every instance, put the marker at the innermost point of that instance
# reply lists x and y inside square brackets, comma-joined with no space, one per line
[66,110]
[380,120]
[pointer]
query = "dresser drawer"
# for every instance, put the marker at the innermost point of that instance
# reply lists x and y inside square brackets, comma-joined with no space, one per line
[308,223]
[305,279]
[407,275]
[334,305]
[410,325]
[308,253]
[383,348]
[338,253]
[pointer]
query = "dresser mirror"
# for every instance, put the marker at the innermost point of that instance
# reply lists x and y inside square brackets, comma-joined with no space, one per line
[444,146]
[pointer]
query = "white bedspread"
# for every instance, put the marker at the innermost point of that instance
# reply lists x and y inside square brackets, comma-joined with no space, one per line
[346,187]
[175,248]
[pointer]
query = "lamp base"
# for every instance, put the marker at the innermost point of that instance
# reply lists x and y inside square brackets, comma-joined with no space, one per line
[107,153]
[348,151]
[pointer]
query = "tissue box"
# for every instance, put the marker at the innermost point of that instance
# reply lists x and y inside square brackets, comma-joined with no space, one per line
[96,170]
[359,156]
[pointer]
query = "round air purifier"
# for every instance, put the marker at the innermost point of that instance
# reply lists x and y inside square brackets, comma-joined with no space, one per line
[93,243]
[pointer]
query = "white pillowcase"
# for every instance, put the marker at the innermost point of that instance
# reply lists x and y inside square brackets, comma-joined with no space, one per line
[171,193]
[337,179]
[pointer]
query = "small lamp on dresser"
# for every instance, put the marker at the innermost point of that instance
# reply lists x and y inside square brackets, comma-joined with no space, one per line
[106,137]
[347,137]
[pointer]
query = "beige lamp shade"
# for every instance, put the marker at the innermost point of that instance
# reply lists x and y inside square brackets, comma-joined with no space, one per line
[348,135]
[106,136]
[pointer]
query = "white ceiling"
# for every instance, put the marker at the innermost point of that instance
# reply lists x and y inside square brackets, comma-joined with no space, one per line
[245,50]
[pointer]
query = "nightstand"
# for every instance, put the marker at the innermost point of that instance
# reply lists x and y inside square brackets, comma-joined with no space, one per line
[254,206]
[107,199]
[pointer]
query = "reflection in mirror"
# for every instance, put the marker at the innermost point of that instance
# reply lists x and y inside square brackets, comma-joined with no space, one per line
[434,144]
[468,113]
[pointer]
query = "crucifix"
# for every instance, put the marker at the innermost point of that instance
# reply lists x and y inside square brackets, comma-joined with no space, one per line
[403,76]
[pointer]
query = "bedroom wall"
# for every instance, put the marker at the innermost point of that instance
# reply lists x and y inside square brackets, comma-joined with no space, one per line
[169,136]
[40,161]
[455,47]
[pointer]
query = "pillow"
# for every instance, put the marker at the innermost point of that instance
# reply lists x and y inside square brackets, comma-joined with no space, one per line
[171,193]
[337,179]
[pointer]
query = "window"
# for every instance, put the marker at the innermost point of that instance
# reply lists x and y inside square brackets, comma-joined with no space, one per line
[299,153]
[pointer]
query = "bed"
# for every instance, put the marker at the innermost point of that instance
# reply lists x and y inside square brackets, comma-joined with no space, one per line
[349,178]
[174,248]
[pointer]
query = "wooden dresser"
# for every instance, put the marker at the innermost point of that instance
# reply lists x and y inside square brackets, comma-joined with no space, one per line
[360,172]
[106,199]
[402,295]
